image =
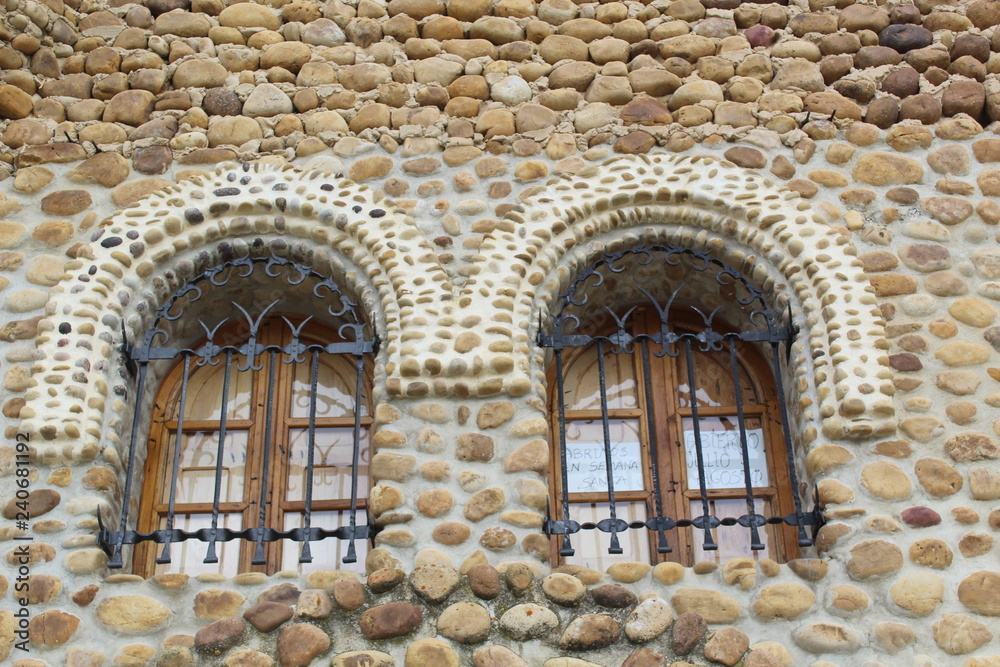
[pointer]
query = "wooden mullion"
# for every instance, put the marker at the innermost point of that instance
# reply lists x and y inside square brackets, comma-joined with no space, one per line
[280,453]
[663,403]
[145,553]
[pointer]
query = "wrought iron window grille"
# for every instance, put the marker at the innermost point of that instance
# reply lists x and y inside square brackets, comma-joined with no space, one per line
[247,355]
[669,342]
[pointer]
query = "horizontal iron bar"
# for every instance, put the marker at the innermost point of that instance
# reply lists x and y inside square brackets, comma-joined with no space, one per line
[557,527]
[350,347]
[659,338]
[110,538]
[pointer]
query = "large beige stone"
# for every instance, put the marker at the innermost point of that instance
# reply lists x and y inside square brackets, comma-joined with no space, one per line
[783,601]
[980,592]
[958,635]
[918,594]
[874,558]
[882,168]
[132,614]
[714,607]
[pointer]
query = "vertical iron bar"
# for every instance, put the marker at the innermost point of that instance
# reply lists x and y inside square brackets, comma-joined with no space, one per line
[306,554]
[164,558]
[258,555]
[567,547]
[614,547]
[116,556]
[709,544]
[662,546]
[755,543]
[211,556]
[804,540]
[359,363]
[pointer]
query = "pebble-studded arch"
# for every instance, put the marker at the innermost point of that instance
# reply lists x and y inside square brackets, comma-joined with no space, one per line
[700,198]
[383,253]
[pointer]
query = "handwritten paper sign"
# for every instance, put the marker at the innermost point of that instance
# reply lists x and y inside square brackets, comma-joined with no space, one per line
[586,467]
[722,455]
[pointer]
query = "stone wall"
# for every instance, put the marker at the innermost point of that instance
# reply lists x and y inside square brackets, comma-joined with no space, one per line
[453,164]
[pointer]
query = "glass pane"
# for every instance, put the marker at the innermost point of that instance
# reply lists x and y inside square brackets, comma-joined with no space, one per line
[733,541]
[336,382]
[204,394]
[582,382]
[186,557]
[592,545]
[713,377]
[332,460]
[722,453]
[586,462]
[327,554]
[196,476]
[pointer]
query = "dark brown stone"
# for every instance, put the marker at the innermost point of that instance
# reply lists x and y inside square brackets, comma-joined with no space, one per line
[744,156]
[349,594]
[614,596]
[283,593]
[923,107]
[219,635]
[152,159]
[920,517]
[386,621]
[760,35]
[902,83]
[967,44]
[484,580]
[298,644]
[967,97]
[875,56]
[646,111]
[158,128]
[635,143]
[905,38]
[834,68]
[983,13]
[222,102]
[86,595]
[37,503]
[644,657]
[905,362]
[267,616]
[688,630]
[883,112]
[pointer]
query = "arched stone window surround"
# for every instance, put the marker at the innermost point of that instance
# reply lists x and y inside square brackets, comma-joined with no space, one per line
[371,249]
[783,243]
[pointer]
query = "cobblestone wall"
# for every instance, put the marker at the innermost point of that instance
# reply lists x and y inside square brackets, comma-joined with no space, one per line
[453,164]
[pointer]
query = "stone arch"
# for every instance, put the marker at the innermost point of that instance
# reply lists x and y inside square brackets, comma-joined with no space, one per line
[374,249]
[702,202]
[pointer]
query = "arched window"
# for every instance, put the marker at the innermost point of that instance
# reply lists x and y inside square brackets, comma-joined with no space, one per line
[257,447]
[669,428]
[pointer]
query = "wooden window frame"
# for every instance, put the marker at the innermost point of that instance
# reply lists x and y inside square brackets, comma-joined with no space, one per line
[152,507]
[668,420]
